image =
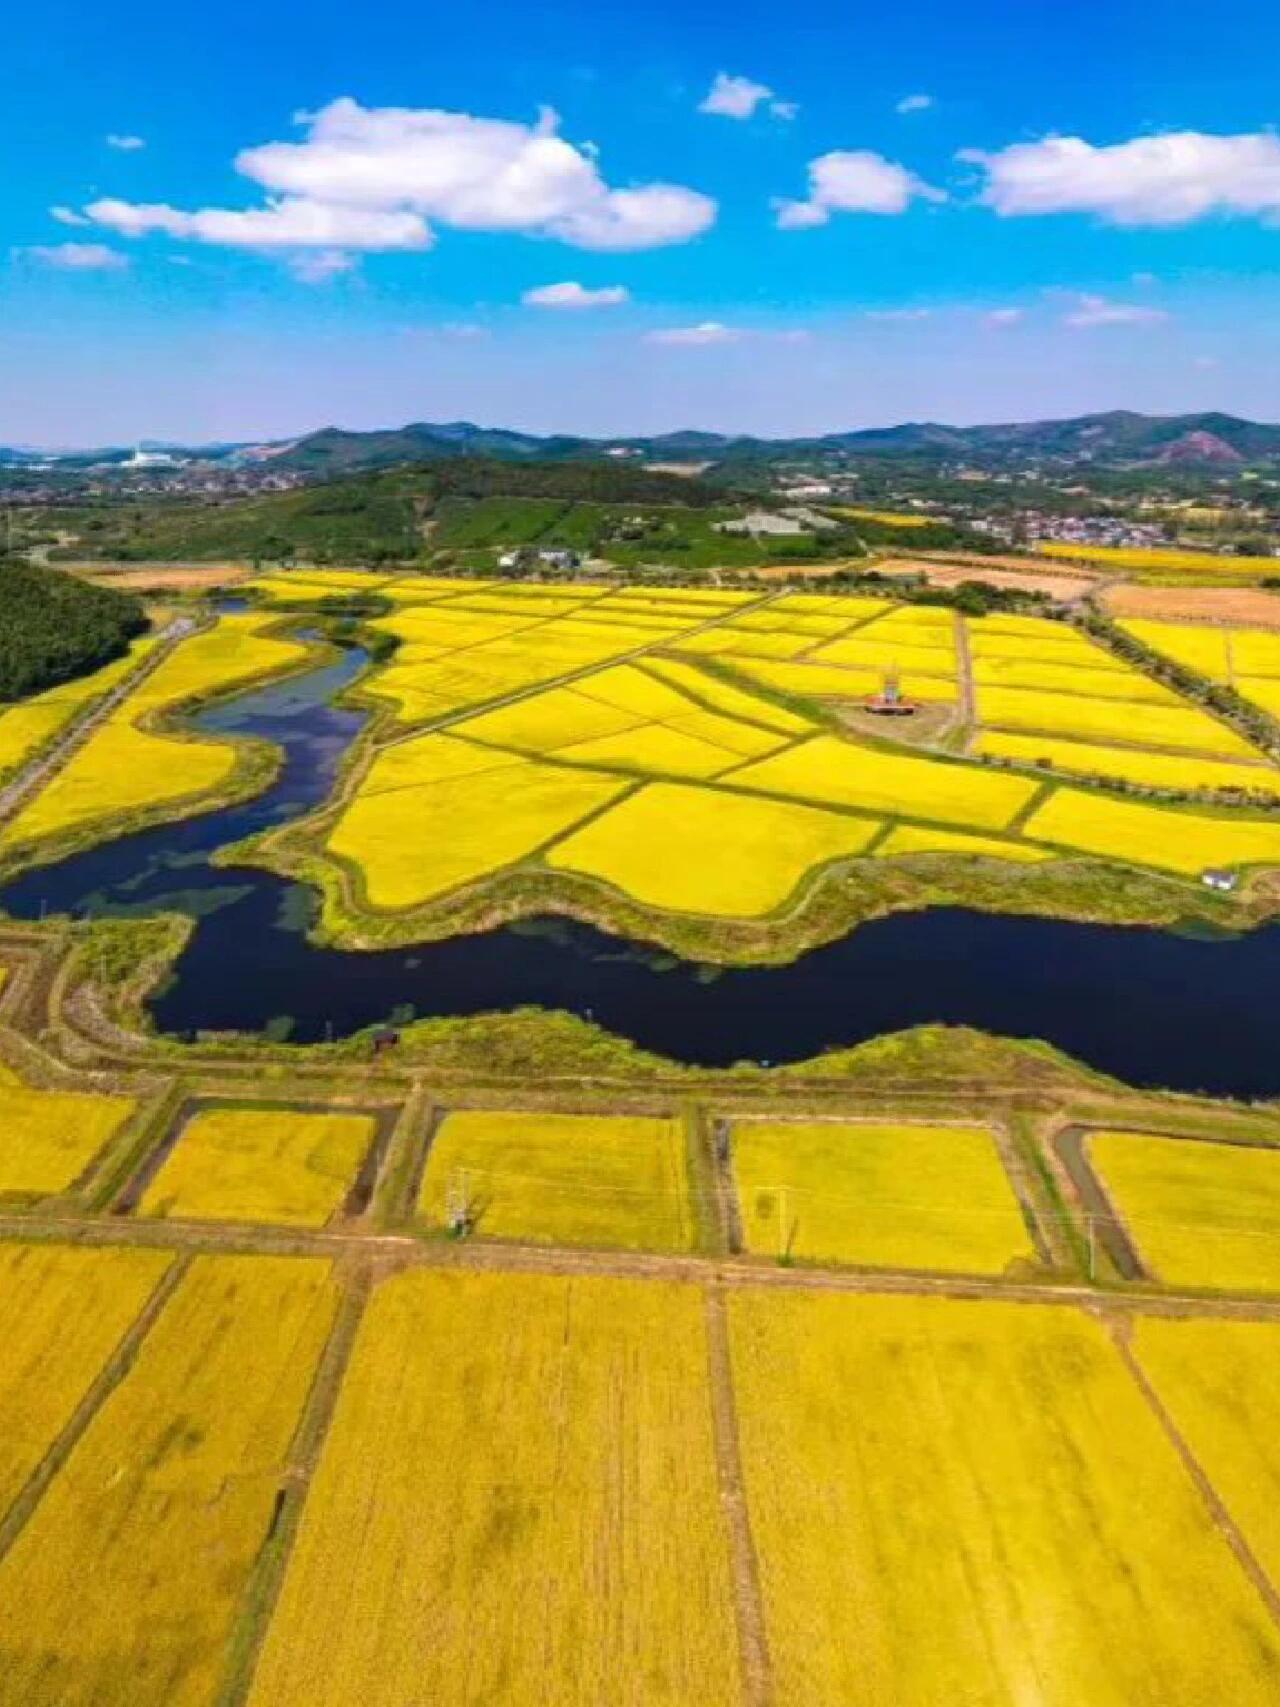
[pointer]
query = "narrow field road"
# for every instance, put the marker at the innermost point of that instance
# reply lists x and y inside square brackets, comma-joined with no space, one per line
[41,768]
[966,698]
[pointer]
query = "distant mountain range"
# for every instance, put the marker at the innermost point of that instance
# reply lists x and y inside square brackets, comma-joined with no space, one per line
[1120,439]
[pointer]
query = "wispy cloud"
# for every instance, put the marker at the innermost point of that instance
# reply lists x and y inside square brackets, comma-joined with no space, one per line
[318,266]
[732,97]
[68,216]
[76,257]
[1100,311]
[997,318]
[1166,180]
[706,332]
[124,143]
[898,314]
[853,181]
[914,104]
[572,296]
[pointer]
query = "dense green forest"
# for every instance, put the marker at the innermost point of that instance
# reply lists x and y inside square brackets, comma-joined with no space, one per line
[54,627]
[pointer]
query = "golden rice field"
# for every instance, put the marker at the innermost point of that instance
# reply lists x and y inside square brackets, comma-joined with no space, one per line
[166,1498]
[890,518]
[1199,1213]
[923,839]
[1182,841]
[811,680]
[410,844]
[258,1164]
[124,768]
[844,773]
[49,1138]
[1179,726]
[63,1312]
[517,1502]
[1161,561]
[899,1196]
[31,724]
[1221,1383]
[686,849]
[1246,659]
[574,1179]
[961,1501]
[1128,764]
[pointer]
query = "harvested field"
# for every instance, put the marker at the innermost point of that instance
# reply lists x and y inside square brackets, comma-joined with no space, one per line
[167,1498]
[1245,607]
[569,1548]
[48,1138]
[843,773]
[1058,586]
[904,1196]
[63,1312]
[257,1164]
[577,1179]
[701,850]
[927,1546]
[1200,1214]
[169,577]
[1183,841]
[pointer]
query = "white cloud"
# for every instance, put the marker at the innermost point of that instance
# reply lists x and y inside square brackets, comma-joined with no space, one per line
[853,181]
[68,216]
[572,295]
[734,97]
[998,317]
[1099,311]
[290,223]
[77,257]
[784,109]
[125,144]
[318,266]
[706,332]
[914,104]
[892,314]
[371,179]
[1151,180]
[473,173]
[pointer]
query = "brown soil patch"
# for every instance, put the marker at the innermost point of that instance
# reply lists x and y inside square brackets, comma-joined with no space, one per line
[1010,560]
[162,576]
[1245,607]
[1024,580]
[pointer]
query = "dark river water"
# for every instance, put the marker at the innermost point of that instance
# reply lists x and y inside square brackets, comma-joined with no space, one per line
[1155,1008]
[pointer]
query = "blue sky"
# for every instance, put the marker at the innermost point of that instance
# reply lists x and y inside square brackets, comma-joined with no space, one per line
[271,217]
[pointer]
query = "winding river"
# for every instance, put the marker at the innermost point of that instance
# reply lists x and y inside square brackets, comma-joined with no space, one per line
[1152,1007]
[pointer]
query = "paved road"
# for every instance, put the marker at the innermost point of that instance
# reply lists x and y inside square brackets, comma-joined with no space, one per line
[53,758]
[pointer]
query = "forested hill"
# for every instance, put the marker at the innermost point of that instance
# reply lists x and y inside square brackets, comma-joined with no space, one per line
[54,627]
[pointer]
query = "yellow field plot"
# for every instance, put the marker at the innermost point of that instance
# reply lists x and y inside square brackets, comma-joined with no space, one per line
[699,850]
[446,630]
[577,1179]
[643,622]
[844,773]
[746,740]
[743,643]
[924,625]
[63,1311]
[48,1138]
[1125,557]
[1181,726]
[1129,764]
[426,759]
[571,1549]
[856,607]
[255,1164]
[1205,650]
[1221,1384]
[902,1196]
[411,845]
[939,1555]
[919,838]
[1263,691]
[837,681]
[547,721]
[685,598]
[1181,841]
[1200,1214]
[653,749]
[541,610]
[168,1497]
[637,690]
[1255,652]
[234,652]
[120,769]
[1071,679]
[720,695]
[865,650]
[347,580]
[30,724]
